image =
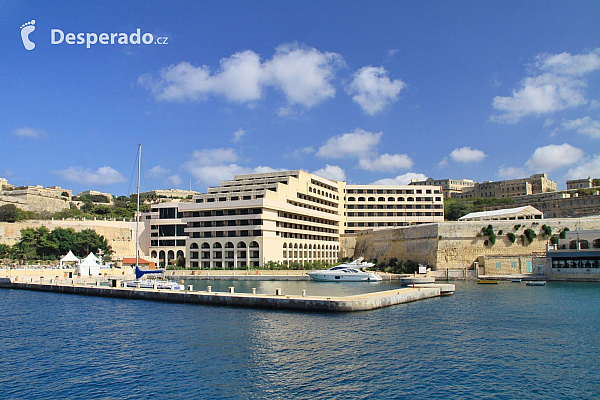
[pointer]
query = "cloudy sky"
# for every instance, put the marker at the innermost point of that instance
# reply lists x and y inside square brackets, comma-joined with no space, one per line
[381,91]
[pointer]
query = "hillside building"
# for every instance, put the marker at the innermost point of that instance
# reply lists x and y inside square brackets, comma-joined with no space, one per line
[537,183]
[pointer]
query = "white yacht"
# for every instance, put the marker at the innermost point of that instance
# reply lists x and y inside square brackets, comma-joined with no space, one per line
[346,272]
[154,283]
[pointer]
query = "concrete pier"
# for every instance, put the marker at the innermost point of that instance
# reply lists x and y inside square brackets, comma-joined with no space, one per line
[363,302]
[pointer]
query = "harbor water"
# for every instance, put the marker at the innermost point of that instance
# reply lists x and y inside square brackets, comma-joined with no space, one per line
[503,341]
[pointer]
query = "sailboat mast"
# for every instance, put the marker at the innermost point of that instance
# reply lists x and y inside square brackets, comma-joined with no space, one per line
[137,214]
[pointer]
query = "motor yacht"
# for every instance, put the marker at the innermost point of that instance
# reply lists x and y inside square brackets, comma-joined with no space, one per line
[347,272]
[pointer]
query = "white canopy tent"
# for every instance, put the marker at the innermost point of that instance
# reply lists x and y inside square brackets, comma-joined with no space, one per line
[70,257]
[88,266]
[525,212]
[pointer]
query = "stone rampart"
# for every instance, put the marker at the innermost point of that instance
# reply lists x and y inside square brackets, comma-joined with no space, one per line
[457,245]
[119,234]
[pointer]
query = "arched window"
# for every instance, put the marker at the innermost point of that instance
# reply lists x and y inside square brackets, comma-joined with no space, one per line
[371,198]
[194,246]
[400,198]
[217,245]
[391,199]
[351,199]
[241,245]
[229,245]
[381,199]
[361,199]
[205,245]
[253,244]
[153,254]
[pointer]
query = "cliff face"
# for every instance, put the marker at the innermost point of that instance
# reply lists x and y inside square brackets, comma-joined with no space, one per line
[458,244]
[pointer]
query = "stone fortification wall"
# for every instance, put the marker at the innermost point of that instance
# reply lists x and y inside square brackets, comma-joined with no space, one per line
[457,245]
[418,243]
[119,234]
[29,202]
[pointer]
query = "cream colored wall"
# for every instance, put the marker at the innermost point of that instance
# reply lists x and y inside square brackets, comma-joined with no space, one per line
[119,234]
[457,244]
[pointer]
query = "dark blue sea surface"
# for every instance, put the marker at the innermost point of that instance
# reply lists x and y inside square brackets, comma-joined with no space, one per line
[506,341]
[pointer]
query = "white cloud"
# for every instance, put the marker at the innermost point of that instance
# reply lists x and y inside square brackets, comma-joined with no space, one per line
[585,126]
[466,155]
[237,135]
[103,176]
[30,133]
[212,166]
[539,95]
[444,163]
[400,179]
[355,144]
[590,167]
[174,180]
[555,85]
[386,162]
[373,90]
[551,157]
[511,172]
[298,153]
[332,172]
[567,64]
[302,74]
[157,172]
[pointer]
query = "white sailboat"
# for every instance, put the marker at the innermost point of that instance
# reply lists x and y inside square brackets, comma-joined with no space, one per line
[140,281]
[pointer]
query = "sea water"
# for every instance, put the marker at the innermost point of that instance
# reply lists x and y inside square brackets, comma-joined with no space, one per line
[506,341]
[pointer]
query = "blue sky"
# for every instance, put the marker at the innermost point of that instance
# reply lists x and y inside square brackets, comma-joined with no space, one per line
[380,91]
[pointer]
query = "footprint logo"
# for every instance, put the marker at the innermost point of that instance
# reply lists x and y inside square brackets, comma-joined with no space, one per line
[26,29]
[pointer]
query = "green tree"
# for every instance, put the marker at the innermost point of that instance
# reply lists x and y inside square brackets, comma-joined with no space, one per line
[9,213]
[4,250]
[454,209]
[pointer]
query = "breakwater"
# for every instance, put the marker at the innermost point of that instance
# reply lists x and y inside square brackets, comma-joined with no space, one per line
[278,300]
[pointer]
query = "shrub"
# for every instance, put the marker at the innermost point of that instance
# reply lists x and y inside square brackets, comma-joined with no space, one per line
[511,236]
[546,230]
[489,231]
[554,239]
[517,227]
[500,232]
[563,234]
[530,235]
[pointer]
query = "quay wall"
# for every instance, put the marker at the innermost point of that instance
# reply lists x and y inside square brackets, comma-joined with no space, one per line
[457,245]
[364,302]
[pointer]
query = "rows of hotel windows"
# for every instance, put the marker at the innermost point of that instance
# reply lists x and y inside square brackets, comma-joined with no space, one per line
[576,263]
[230,198]
[430,199]
[231,234]
[224,255]
[392,191]
[317,200]
[302,253]
[323,185]
[220,213]
[167,230]
[323,193]
[311,207]
[395,214]
[230,222]
[392,206]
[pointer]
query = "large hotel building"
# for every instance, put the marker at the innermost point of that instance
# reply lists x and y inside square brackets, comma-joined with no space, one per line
[287,217]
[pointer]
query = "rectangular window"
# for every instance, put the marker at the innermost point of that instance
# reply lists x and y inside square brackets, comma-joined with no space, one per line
[498,264]
[513,264]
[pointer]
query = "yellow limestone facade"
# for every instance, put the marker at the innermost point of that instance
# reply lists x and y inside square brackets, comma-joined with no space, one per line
[287,216]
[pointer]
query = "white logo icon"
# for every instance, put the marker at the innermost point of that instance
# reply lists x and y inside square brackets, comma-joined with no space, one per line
[26,29]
